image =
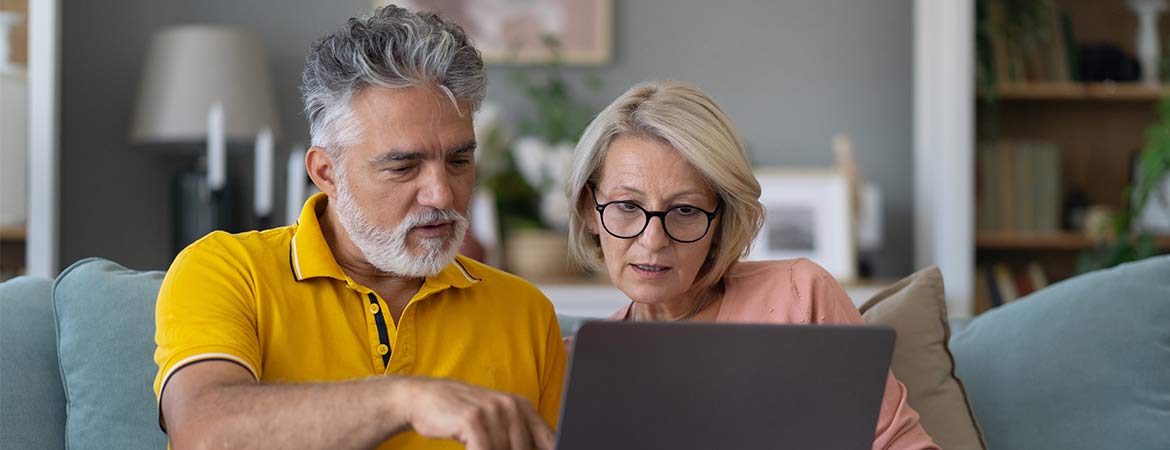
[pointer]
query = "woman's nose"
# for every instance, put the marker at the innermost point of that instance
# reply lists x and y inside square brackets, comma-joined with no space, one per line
[654,236]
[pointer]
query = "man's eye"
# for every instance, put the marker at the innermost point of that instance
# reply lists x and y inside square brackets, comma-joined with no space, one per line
[400,170]
[461,162]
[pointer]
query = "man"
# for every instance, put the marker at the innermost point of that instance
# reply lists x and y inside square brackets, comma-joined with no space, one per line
[359,327]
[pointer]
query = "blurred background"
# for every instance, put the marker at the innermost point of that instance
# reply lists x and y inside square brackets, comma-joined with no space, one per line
[1041,133]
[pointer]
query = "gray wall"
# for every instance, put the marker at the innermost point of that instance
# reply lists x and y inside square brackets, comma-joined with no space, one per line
[790,73]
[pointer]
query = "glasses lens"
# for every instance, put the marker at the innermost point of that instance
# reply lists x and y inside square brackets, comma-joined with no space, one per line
[686,223]
[623,219]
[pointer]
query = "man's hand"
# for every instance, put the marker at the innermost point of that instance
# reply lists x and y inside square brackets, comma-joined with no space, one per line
[480,419]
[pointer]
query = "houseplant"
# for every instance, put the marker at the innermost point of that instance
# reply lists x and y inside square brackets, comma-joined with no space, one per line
[1129,242]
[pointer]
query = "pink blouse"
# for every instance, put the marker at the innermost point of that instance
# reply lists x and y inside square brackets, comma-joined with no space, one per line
[798,291]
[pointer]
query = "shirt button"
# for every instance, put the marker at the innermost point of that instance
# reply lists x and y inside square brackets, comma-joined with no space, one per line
[374,308]
[383,349]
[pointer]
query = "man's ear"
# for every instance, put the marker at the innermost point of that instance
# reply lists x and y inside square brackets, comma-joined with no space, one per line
[322,170]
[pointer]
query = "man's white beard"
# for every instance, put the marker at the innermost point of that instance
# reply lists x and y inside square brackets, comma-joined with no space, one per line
[387,249]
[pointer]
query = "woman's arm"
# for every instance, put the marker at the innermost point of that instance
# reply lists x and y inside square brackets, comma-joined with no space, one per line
[898,426]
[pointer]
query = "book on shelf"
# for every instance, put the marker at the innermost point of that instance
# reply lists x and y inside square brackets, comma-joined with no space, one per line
[1044,53]
[1018,187]
[998,284]
[1036,276]
[1005,283]
[982,291]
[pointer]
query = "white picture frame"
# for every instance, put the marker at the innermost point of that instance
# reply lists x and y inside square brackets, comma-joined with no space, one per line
[807,214]
[512,32]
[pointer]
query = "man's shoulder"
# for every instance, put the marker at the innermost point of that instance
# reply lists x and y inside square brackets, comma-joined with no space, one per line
[239,248]
[497,281]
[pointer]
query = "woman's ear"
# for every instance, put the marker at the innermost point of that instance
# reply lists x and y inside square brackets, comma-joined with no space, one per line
[592,221]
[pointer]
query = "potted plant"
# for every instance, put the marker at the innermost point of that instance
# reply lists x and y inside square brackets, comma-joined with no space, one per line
[528,181]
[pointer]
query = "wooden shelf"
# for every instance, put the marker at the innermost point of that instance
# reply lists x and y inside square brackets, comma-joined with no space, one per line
[1044,241]
[1081,91]
[12,233]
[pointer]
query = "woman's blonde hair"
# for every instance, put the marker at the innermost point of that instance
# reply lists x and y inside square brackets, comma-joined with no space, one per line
[682,116]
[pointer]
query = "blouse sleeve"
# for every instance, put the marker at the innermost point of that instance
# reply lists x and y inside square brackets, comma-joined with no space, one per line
[898,427]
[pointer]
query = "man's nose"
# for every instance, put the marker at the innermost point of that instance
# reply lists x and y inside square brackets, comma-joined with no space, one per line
[435,189]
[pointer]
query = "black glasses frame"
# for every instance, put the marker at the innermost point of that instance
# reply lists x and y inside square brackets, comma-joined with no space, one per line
[661,215]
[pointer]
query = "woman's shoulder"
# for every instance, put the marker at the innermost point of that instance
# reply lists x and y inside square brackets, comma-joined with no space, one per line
[785,291]
[786,270]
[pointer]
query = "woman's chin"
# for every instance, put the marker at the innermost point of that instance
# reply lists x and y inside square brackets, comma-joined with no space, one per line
[646,293]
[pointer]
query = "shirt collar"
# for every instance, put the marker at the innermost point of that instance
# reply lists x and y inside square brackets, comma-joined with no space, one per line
[310,255]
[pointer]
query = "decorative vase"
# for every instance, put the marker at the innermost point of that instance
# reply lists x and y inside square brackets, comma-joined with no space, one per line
[540,255]
[1147,12]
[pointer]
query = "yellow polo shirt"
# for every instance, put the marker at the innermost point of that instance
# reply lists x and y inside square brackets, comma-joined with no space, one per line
[277,303]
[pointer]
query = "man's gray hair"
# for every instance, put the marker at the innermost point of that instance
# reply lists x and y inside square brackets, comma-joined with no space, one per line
[393,48]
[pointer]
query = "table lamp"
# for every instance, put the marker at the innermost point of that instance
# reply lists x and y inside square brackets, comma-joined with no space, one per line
[208,84]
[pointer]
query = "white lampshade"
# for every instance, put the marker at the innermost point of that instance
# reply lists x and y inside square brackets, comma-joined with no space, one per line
[188,69]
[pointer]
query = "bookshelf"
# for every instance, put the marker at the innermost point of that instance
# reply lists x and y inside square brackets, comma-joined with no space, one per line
[1043,242]
[1073,91]
[1096,127]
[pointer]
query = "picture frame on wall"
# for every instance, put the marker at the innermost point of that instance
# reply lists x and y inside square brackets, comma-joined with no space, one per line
[514,31]
[807,214]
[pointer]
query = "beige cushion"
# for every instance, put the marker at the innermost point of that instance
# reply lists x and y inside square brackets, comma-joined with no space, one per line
[915,308]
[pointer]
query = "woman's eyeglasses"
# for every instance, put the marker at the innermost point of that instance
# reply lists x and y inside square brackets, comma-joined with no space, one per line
[627,220]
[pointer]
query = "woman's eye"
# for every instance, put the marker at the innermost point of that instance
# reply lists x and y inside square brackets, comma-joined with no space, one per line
[627,207]
[686,210]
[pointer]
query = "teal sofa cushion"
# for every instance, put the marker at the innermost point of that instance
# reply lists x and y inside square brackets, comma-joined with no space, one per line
[32,405]
[569,324]
[105,343]
[1083,364]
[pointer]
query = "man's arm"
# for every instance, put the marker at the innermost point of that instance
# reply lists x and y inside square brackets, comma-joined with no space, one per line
[217,404]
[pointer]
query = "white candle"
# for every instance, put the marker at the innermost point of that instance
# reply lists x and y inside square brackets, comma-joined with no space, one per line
[295,194]
[263,175]
[216,148]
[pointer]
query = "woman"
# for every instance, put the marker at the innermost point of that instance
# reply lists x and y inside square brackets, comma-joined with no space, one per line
[666,151]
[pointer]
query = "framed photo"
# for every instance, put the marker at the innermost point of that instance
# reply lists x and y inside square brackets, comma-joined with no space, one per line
[807,214]
[513,31]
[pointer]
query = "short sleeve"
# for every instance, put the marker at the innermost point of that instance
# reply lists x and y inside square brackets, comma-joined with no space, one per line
[553,379]
[206,310]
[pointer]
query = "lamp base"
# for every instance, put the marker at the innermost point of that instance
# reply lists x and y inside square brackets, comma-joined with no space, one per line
[197,209]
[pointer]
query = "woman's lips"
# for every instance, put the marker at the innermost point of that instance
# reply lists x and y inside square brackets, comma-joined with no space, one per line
[650,270]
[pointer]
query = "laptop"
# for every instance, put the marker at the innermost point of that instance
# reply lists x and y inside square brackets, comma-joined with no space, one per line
[682,386]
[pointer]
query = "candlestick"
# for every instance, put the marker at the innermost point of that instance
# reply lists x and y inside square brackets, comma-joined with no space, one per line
[216,148]
[295,192]
[263,178]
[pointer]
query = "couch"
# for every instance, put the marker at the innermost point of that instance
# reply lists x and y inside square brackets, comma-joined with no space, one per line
[1084,364]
